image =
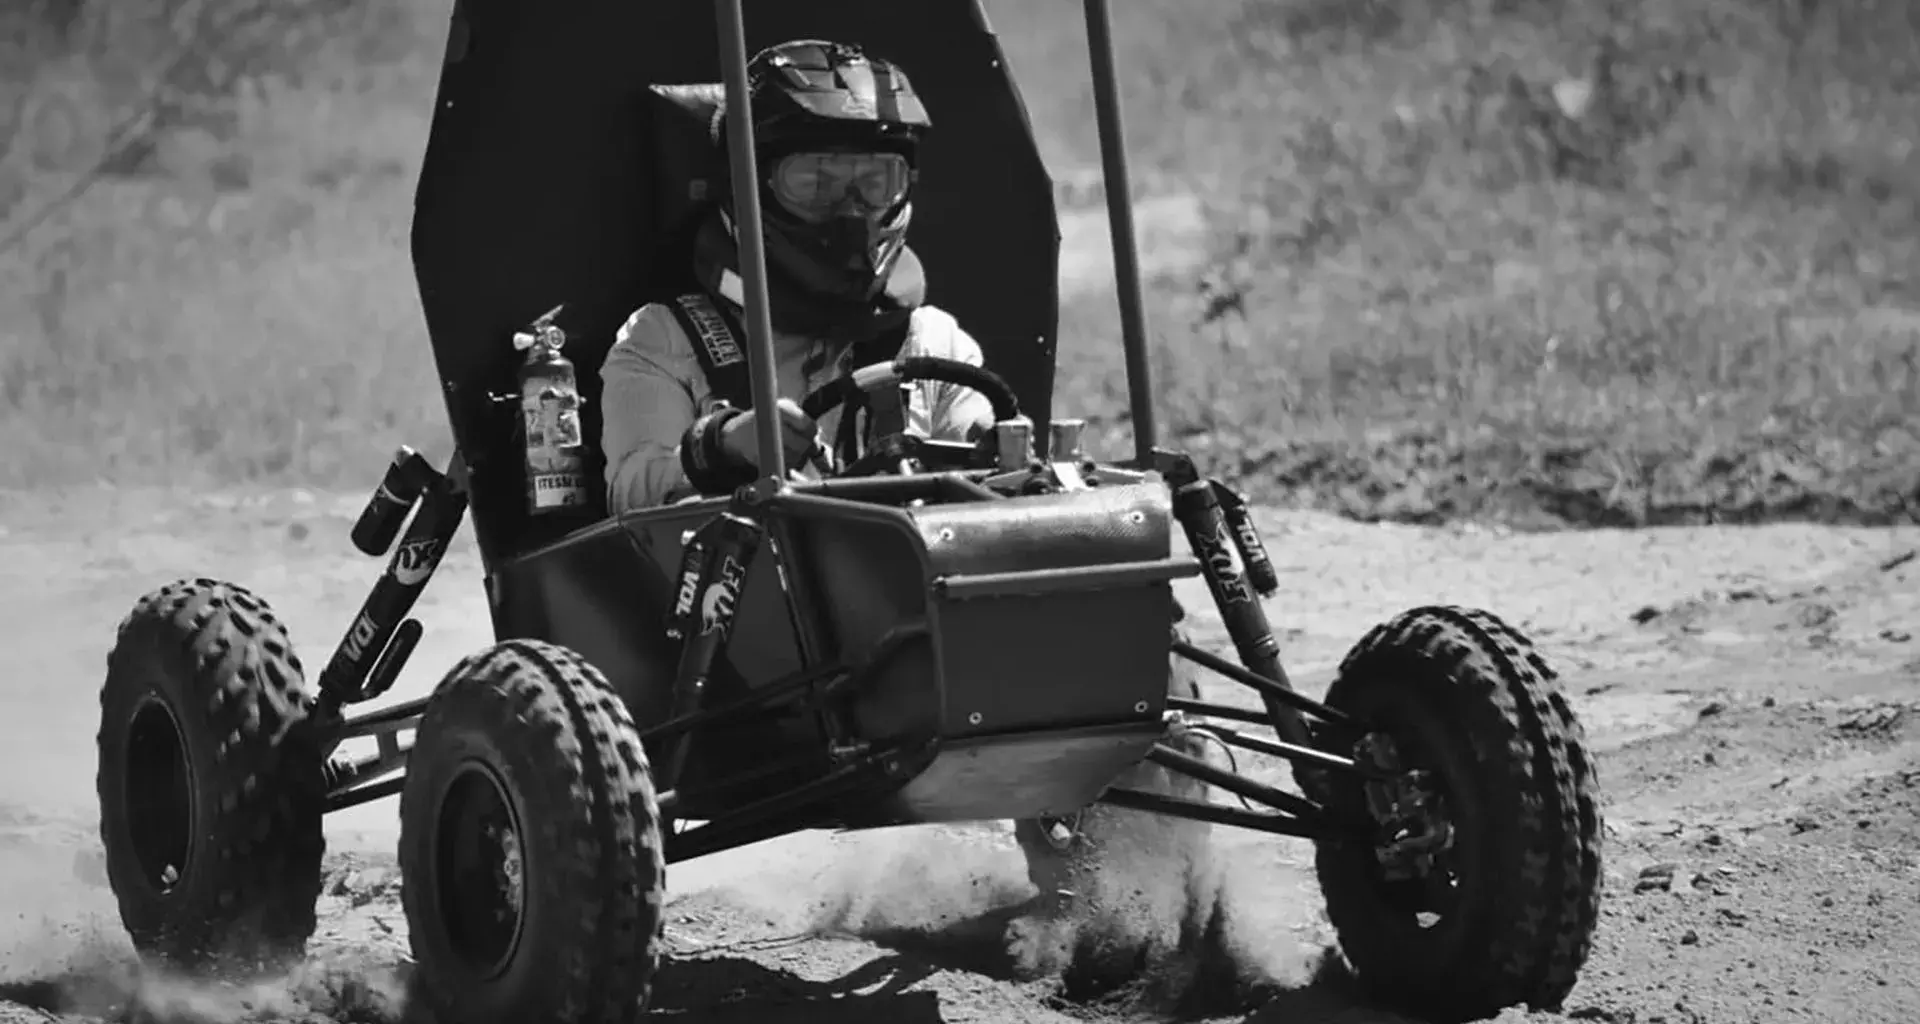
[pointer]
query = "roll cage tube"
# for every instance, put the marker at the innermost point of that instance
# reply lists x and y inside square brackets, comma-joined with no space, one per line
[751,244]
[1126,256]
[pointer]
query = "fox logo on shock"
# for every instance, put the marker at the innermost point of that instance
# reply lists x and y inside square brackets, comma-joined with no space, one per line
[415,560]
[714,334]
[1216,551]
[722,597]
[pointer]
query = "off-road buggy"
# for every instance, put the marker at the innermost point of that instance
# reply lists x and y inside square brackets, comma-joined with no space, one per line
[947,633]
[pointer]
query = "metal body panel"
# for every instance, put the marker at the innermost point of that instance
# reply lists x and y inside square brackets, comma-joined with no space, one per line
[1017,670]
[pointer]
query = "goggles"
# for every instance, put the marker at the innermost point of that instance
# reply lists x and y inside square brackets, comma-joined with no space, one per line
[818,186]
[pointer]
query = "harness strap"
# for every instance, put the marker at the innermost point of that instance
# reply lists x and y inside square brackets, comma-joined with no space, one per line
[715,333]
[715,345]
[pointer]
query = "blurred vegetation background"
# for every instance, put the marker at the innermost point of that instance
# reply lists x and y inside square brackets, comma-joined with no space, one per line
[1551,261]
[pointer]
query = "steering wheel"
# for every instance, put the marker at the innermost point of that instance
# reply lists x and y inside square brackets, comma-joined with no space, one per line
[889,450]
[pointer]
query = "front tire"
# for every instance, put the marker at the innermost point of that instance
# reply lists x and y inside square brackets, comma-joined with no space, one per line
[1507,915]
[211,785]
[530,844]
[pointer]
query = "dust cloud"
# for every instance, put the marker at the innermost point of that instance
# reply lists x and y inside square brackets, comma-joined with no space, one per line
[103,981]
[63,952]
[1162,922]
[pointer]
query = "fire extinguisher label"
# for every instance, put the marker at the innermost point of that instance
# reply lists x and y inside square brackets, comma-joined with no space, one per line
[553,421]
[559,490]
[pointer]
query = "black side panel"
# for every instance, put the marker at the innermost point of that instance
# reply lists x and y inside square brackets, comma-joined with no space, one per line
[605,592]
[606,597]
[538,188]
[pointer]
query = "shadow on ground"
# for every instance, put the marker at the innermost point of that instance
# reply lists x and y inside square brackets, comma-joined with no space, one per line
[1210,990]
[720,989]
[735,990]
[725,989]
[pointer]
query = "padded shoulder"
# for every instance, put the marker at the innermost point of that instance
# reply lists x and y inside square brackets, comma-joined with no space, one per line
[935,332]
[649,328]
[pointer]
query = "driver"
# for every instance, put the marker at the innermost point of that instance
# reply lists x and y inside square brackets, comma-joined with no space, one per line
[837,136]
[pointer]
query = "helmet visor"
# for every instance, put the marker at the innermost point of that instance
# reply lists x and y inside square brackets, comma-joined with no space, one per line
[818,186]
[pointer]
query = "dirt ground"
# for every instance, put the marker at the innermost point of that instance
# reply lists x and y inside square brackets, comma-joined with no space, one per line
[1753,695]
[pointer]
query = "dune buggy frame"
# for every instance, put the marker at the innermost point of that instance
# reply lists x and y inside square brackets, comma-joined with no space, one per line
[1231,557]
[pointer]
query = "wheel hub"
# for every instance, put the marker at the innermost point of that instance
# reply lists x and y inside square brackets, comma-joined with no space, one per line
[1414,834]
[159,795]
[511,876]
[482,870]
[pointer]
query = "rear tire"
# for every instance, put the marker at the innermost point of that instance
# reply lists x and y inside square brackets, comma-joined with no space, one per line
[211,786]
[1466,697]
[530,844]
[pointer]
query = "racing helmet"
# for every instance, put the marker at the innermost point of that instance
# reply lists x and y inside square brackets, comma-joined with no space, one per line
[837,135]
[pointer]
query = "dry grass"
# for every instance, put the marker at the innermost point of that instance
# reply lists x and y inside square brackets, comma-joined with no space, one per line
[1442,295]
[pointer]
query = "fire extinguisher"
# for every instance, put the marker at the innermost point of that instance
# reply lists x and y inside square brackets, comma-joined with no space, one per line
[550,406]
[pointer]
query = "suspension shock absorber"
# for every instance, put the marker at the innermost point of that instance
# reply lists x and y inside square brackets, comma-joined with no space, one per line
[713,570]
[1246,537]
[1197,505]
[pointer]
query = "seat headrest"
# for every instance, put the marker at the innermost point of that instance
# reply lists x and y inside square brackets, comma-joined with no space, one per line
[702,104]
[686,151]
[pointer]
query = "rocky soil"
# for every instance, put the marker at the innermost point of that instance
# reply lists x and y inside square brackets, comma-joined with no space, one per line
[1753,695]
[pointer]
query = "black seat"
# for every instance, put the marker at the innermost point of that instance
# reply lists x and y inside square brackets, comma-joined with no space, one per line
[571,142]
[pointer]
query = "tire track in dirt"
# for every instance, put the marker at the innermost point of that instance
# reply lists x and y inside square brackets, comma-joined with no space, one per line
[1708,664]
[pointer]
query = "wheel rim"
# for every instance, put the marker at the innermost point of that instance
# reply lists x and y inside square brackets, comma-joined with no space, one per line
[159,797]
[1434,899]
[481,870]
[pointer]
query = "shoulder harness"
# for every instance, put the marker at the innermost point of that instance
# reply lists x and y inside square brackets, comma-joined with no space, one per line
[715,332]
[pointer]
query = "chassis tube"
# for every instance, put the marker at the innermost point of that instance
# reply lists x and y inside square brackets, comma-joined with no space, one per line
[1209,709]
[1030,582]
[1126,254]
[1262,685]
[1279,799]
[753,244]
[366,794]
[1284,751]
[404,715]
[1271,822]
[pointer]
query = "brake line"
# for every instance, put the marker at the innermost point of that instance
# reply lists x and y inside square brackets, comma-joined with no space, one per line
[1233,761]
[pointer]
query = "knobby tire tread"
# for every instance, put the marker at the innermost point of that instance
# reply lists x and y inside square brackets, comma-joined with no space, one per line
[608,872]
[1538,926]
[231,675]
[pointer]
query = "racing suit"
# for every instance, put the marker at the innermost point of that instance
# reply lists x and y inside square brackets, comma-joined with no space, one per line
[654,389]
